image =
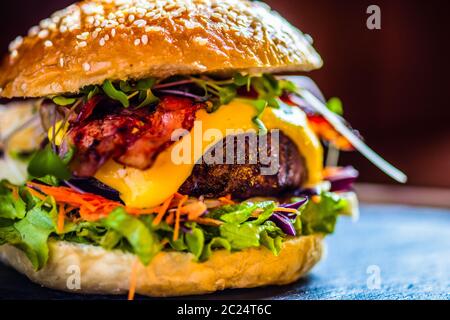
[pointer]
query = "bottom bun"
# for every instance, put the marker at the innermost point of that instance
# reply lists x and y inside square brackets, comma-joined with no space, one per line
[83,268]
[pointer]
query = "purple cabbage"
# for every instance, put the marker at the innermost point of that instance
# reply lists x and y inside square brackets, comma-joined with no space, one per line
[308,192]
[92,185]
[343,179]
[183,94]
[284,223]
[295,205]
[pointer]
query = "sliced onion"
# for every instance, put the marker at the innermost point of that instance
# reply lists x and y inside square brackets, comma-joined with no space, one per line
[283,223]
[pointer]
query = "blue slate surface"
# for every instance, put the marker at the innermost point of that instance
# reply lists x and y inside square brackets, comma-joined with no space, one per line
[410,247]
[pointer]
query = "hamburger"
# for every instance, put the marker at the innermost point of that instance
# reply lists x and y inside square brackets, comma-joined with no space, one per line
[164,149]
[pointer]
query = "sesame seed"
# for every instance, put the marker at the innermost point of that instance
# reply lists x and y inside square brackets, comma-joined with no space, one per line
[121,20]
[82,44]
[113,33]
[62,29]
[86,66]
[154,29]
[101,42]
[140,23]
[33,31]
[61,62]
[43,34]
[48,43]
[201,41]
[90,20]
[106,37]
[141,12]
[14,54]
[131,17]
[137,42]
[170,6]
[23,87]
[15,44]
[144,39]
[83,36]
[44,24]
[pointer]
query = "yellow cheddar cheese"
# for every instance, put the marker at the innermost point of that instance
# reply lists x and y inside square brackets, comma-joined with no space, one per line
[149,188]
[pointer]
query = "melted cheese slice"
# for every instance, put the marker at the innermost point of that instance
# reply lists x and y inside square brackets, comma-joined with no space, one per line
[149,188]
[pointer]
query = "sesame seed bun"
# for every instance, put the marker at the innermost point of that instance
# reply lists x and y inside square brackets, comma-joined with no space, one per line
[91,41]
[169,273]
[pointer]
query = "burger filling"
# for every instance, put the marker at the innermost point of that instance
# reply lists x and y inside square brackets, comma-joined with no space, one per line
[104,171]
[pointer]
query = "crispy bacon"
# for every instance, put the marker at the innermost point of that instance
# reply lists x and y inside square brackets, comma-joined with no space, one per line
[88,108]
[131,137]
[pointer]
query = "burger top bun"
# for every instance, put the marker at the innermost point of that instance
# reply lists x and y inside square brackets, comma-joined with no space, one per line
[91,41]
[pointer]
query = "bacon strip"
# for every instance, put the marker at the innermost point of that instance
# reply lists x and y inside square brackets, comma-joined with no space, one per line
[131,137]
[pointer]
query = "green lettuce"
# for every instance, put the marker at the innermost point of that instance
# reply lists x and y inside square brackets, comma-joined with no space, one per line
[11,207]
[31,233]
[215,243]
[29,223]
[143,241]
[321,217]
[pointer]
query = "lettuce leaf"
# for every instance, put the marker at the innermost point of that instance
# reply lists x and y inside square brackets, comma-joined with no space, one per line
[241,236]
[143,241]
[215,243]
[34,231]
[28,223]
[195,241]
[321,217]
[11,207]
[273,244]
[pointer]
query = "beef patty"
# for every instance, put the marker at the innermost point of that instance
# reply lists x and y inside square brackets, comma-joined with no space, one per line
[246,180]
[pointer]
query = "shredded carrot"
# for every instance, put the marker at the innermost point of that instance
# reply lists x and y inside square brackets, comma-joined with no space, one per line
[194,210]
[316,199]
[330,171]
[162,210]
[177,218]
[36,194]
[257,212]
[15,192]
[178,195]
[61,216]
[133,280]
[164,241]
[69,208]
[170,217]
[289,210]
[208,221]
[92,207]
[227,199]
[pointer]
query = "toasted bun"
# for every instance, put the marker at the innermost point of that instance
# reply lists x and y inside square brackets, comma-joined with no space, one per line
[95,40]
[169,273]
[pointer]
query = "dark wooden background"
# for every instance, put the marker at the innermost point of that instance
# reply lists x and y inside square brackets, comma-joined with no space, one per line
[394,82]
